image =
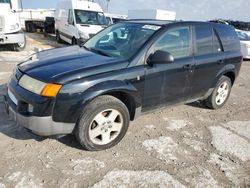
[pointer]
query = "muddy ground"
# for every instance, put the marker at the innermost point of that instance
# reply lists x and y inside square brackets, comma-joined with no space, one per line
[182,146]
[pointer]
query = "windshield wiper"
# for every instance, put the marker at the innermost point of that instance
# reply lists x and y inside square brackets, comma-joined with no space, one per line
[98,51]
[86,48]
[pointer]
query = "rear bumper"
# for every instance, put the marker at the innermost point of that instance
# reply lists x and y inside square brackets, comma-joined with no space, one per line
[43,126]
[12,38]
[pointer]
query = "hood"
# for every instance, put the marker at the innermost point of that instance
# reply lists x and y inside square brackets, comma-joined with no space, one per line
[5,8]
[61,65]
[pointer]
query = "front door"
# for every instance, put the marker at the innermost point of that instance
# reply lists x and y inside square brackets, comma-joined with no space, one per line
[167,84]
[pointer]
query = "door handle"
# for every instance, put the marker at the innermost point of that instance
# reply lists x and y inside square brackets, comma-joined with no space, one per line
[220,61]
[188,67]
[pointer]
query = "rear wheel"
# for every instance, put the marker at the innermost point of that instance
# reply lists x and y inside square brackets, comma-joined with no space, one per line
[220,94]
[103,124]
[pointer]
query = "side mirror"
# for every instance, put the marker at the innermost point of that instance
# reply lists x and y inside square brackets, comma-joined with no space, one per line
[160,57]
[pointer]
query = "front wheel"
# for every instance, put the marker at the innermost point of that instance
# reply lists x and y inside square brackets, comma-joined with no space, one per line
[58,38]
[103,124]
[74,41]
[20,46]
[220,94]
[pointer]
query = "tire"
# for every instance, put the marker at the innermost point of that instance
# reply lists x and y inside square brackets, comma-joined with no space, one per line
[19,46]
[74,41]
[220,94]
[58,38]
[93,133]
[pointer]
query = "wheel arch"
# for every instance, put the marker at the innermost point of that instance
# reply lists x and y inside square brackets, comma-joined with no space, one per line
[73,107]
[229,71]
[231,75]
[127,99]
[124,91]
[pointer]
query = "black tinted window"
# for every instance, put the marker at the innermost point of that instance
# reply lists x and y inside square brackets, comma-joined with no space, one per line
[229,38]
[217,43]
[176,42]
[204,40]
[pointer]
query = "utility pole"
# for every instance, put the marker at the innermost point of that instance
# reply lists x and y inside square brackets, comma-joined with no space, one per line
[21,4]
[108,1]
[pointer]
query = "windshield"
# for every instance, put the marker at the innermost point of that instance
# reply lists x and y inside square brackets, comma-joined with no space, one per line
[121,40]
[5,1]
[243,36]
[90,17]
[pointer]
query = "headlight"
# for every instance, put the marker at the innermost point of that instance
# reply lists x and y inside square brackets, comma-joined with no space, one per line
[14,27]
[39,87]
[84,35]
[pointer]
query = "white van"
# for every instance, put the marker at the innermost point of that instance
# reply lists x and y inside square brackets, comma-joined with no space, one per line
[78,20]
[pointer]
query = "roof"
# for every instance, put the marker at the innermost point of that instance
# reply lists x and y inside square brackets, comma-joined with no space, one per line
[151,21]
[167,22]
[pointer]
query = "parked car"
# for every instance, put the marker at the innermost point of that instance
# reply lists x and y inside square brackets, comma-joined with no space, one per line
[127,69]
[76,21]
[115,18]
[244,43]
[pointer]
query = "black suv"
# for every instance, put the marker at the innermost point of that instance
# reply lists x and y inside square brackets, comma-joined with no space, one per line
[128,68]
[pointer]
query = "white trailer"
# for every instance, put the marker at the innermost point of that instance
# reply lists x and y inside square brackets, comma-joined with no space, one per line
[10,27]
[151,14]
[35,15]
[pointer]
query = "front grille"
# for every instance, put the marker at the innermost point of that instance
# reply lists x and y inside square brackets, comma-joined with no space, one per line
[1,23]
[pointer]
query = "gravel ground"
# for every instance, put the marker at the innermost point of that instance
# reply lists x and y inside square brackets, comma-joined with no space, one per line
[181,146]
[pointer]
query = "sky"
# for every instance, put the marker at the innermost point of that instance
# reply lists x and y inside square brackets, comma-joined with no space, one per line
[185,9]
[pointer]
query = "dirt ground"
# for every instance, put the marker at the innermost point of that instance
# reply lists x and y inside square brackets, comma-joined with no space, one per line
[182,146]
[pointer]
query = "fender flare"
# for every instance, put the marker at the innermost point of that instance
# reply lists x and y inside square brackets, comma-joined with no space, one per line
[103,88]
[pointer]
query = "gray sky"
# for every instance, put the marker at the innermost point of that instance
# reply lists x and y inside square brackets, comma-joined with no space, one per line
[185,9]
[188,9]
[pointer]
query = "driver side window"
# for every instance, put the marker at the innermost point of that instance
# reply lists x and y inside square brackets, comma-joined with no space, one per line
[176,42]
[70,17]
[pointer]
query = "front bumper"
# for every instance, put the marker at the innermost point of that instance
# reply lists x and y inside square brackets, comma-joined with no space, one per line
[12,38]
[40,119]
[43,126]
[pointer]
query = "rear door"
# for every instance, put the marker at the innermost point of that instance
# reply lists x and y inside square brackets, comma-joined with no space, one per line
[209,59]
[169,83]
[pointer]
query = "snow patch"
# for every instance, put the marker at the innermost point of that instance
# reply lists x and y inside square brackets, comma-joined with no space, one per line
[84,167]
[139,179]
[233,171]
[205,179]
[240,127]
[166,149]
[198,176]
[228,142]
[2,185]
[164,146]
[175,125]
[150,127]
[24,180]
[196,145]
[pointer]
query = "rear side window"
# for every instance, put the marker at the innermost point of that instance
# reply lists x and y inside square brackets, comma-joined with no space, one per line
[204,40]
[217,46]
[228,38]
